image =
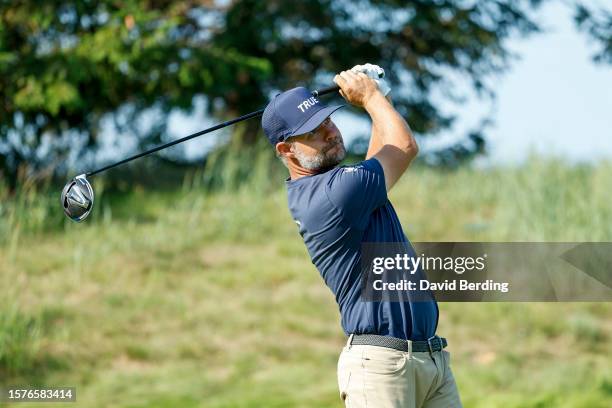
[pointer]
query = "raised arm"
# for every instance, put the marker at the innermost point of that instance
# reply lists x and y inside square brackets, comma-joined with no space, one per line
[396,146]
[375,143]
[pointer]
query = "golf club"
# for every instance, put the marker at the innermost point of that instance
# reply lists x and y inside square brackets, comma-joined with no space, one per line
[78,197]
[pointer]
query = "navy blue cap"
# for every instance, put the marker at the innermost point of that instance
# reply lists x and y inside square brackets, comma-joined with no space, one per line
[294,112]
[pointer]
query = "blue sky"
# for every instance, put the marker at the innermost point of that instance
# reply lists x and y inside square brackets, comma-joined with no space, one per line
[555,99]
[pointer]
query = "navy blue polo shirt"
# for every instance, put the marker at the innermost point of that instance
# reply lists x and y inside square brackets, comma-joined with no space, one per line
[338,210]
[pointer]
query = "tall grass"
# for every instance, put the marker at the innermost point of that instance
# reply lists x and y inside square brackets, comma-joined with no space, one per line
[170,298]
[20,336]
[29,209]
[237,166]
[546,199]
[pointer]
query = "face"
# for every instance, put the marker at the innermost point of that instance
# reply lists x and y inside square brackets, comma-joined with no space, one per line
[320,149]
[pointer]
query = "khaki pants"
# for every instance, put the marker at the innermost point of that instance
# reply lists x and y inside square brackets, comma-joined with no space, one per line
[379,377]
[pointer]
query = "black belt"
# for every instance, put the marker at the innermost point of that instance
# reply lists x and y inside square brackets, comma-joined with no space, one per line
[435,343]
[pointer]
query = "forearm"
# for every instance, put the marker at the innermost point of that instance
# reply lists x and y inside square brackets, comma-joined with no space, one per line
[389,128]
[375,141]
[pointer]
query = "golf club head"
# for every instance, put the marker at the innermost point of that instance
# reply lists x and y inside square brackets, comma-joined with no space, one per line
[77,198]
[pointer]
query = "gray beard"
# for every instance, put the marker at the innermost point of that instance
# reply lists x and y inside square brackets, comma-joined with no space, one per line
[322,160]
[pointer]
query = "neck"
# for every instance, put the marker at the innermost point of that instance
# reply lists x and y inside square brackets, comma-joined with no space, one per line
[296,171]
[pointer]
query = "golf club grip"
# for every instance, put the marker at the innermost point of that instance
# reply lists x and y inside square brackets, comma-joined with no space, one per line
[334,88]
[324,91]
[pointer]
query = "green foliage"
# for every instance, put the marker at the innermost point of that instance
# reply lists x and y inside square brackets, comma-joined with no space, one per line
[65,65]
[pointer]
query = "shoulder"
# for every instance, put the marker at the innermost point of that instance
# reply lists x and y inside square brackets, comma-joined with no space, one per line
[366,174]
[359,189]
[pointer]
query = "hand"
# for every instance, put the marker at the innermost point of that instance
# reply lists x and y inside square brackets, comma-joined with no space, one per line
[377,74]
[356,88]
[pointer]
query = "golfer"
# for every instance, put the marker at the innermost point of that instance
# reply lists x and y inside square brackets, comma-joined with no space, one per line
[393,357]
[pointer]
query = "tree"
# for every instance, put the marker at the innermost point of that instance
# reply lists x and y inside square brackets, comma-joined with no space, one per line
[598,25]
[65,66]
[418,42]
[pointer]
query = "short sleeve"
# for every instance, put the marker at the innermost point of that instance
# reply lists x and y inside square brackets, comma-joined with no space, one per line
[358,190]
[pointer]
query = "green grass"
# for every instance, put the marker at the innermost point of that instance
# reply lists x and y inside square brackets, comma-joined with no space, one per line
[205,296]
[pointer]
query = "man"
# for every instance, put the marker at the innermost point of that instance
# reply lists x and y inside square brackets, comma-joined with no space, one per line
[392,357]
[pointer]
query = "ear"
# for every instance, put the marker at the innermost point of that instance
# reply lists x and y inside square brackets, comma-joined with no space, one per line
[284,149]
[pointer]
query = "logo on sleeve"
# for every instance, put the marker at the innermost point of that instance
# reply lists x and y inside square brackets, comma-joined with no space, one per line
[351,169]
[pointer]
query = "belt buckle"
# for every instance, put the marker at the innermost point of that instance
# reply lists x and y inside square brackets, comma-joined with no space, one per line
[429,344]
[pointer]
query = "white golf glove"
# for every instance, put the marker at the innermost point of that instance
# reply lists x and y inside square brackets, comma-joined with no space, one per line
[377,74]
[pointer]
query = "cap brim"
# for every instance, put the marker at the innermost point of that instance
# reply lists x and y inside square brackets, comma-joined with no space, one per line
[315,120]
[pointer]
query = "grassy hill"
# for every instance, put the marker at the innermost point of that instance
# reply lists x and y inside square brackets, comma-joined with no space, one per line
[193,298]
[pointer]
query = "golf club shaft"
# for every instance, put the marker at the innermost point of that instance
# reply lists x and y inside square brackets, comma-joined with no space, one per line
[320,92]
